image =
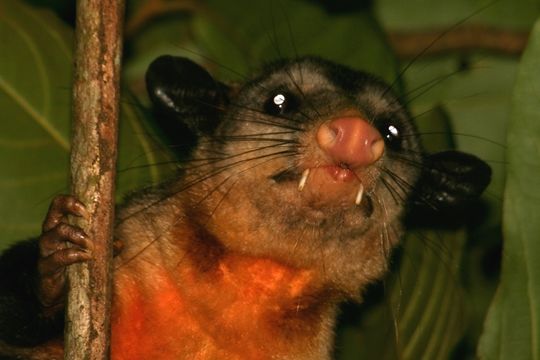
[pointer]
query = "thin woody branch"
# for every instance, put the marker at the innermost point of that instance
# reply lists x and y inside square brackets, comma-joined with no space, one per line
[464,39]
[93,160]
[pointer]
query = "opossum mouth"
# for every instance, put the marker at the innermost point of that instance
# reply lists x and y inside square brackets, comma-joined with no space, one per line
[328,182]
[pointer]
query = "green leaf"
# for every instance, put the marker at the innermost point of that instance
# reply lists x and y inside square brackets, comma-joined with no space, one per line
[257,32]
[422,14]
[477,101]
[512,329]
[234,41]
[35,101]
[143,159]
[35,98]
[422,317]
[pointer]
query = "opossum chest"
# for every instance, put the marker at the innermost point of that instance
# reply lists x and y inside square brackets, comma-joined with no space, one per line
[241,308]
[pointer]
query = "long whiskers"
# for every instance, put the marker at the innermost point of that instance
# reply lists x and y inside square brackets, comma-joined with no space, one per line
[433,42]
[211,174]
[266,158]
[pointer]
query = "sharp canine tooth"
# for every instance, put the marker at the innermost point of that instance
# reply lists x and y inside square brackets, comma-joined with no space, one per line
[303,180]
[359,195]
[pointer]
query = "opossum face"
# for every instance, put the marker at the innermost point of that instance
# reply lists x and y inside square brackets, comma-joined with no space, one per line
[310,163]
[328,149]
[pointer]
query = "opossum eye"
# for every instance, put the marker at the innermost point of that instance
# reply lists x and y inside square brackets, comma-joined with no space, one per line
[391,133]
[280,103]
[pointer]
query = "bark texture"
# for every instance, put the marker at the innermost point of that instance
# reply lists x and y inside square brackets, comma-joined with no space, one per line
[93,160]
[408,45]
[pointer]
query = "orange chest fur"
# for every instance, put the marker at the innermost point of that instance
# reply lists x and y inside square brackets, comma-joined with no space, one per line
[243,309]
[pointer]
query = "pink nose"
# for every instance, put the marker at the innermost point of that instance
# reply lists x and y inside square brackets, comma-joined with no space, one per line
[351,141]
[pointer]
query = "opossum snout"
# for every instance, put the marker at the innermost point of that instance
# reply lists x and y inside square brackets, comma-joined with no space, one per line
[350,141]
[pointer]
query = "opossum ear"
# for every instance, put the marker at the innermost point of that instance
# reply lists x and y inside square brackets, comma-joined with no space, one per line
[449,187]
[186,98]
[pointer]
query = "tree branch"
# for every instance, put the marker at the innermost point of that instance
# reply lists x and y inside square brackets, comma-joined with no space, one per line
[464,39]
[93,158]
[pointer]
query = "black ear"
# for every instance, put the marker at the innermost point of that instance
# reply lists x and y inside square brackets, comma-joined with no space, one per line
[186,99]
[449,187]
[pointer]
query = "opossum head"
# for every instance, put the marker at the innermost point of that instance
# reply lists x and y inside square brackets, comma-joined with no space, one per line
[309,163]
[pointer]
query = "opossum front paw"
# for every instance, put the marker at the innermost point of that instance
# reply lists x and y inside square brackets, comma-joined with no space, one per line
[55,253]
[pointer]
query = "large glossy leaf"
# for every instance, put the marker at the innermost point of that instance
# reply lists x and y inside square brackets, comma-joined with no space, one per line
[35,81]
[233,41]
[422,315]
[512,329]
[35,101]
[275,29]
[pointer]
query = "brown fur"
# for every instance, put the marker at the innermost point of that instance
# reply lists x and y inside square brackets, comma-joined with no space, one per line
[227,263]
[239,267]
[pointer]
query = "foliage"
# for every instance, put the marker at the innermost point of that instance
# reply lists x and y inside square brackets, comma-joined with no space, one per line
[513,322]
[434,303]
[35,76]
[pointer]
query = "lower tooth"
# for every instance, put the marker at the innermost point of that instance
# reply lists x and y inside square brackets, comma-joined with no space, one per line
[303,180]
[359,195]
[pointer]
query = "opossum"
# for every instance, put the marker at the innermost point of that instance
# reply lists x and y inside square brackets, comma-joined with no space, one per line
[294,194]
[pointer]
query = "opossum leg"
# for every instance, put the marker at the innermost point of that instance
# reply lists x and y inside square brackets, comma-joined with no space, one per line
[56,254]
[32,284]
